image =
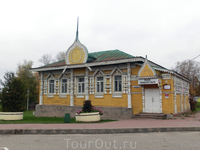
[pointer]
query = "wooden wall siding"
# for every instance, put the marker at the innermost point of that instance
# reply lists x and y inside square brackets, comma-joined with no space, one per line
[178,103]
[137,103]
[135,83]
[108,100]
[107,71]
[167,104]
[79,71]
[78,101]
[56,100]
[134,71]
[187,102]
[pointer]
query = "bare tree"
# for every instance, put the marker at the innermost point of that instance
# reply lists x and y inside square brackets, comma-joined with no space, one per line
[191,70]
[60,56]
[46,59]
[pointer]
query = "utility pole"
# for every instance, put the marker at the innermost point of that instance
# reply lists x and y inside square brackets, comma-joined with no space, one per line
[27,98]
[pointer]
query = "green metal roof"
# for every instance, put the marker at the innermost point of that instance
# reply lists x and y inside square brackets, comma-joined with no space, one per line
[97,57]
[108,55]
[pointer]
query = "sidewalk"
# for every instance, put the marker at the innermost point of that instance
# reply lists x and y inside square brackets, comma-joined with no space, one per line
[191,123]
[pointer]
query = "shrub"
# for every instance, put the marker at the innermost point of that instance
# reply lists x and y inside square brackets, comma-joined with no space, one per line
[193,103]
[87,107]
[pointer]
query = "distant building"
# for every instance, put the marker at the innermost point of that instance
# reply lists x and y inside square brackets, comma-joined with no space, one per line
[113,80]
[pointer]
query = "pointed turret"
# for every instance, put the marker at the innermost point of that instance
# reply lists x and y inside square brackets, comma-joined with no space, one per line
[77,53]
[77,29]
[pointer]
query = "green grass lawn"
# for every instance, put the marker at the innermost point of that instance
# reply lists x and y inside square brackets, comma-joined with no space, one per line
[198,106]
[29,118]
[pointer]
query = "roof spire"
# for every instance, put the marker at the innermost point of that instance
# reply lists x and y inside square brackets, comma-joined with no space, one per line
[77,29]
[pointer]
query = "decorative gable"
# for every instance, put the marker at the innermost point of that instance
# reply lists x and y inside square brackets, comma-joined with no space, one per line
[146,70]
[116,71]
[98,72]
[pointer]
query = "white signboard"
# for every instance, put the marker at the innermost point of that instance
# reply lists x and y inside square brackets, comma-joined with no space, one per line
[166,76]
[166,87]
[147,81]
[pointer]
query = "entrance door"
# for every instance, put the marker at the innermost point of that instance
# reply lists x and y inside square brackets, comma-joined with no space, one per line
[152,103]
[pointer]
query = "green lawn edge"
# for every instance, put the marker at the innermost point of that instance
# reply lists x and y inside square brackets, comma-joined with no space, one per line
[29,118]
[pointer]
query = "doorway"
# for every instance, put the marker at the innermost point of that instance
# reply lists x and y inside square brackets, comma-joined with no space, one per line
[152,101]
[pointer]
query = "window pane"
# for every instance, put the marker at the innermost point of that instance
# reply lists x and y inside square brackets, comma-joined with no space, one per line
[101,86]
[118,78]
[65,88]
[97,86]
[80,79]
[120,86]
[83,88]
[99,78]
[51,86]
[79,89]
[115,85]
[62,89]
[64,80]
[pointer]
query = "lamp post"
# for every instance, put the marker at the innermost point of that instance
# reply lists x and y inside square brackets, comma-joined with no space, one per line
[27,98]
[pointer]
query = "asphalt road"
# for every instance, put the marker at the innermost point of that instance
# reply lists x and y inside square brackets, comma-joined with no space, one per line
[137,141]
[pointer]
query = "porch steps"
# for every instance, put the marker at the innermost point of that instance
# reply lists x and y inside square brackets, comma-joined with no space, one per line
[151,115]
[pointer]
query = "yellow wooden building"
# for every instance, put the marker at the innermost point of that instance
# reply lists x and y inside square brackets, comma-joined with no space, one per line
[110,79]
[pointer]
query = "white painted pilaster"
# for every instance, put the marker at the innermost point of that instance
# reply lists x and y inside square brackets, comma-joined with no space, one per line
[72,88]
[160,91]
[143,99]
[181,102]
[175,106]
[41,89]
[86,84]
[129,85]
[185,102]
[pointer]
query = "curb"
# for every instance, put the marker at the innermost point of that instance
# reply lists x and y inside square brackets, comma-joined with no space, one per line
[98,131]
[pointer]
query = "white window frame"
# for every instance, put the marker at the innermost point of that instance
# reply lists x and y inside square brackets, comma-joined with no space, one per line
[61,86]
[82,86]
[117,91]
[99,84]
[100,93]
[51,93]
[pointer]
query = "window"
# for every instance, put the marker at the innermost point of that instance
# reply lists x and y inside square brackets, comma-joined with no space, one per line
[64,86]
[99,84]
[118,83]
[51,86]
[81,85]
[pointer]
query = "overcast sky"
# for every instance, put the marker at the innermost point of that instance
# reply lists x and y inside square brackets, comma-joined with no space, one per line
[166,31]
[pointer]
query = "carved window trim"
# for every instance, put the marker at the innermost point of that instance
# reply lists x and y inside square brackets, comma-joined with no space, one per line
[101,93]
[82,85]
[117,93]
[119,82]
[51,93]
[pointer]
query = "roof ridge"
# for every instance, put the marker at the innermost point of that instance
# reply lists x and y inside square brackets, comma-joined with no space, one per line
[105,51]
[54,63]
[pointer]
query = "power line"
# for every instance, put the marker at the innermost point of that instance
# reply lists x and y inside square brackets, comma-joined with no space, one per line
[194,58]
[189,61]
